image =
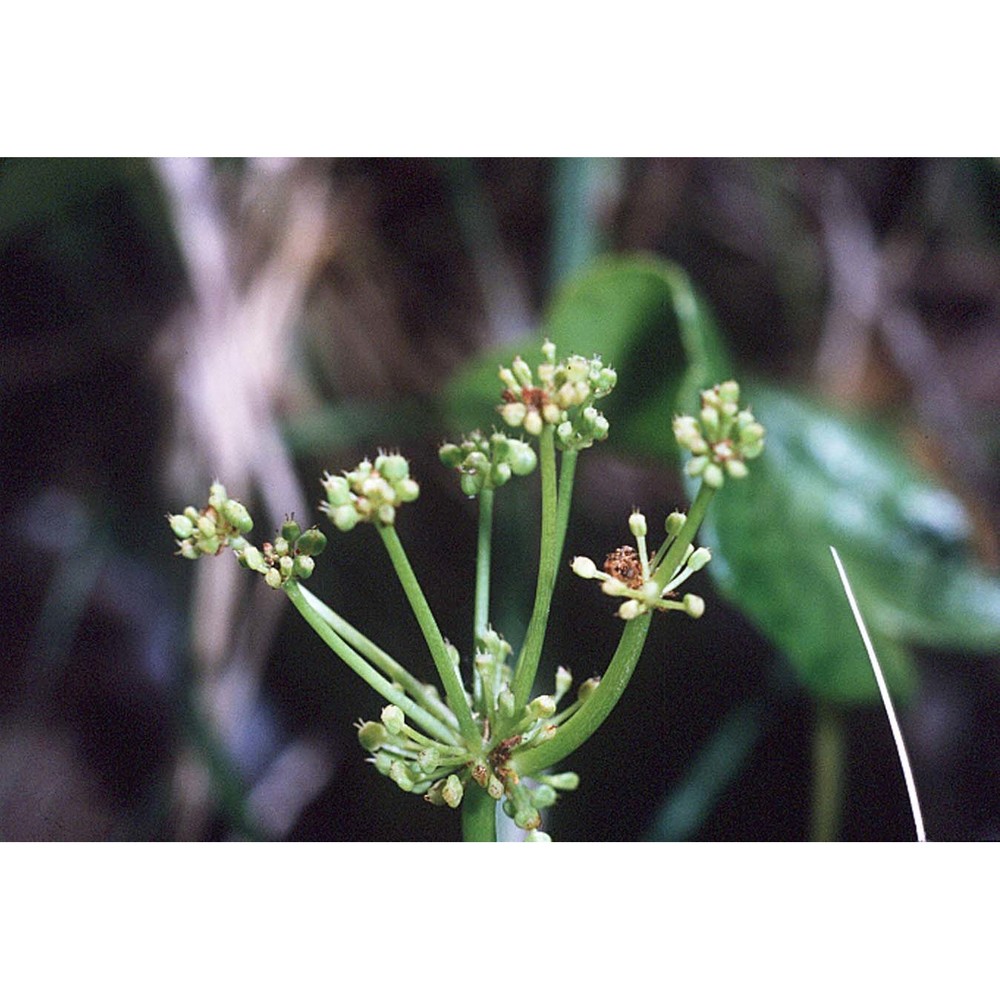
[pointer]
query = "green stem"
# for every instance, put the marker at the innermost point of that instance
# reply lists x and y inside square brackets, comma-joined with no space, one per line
[531,651]
[595,709]
[429,723]
[675,554]
[828,767]
[481,611]
[448,671]
[413,686]
[567,470]
[479,814]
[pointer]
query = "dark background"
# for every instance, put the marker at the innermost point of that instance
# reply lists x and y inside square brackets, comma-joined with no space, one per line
[166,322]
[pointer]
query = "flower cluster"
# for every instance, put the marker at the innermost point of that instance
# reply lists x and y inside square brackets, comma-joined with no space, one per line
[488,462]
[629,573]
[209,530]
[288,557]
[369,492]
[561,394]
[722,438]
[223,523]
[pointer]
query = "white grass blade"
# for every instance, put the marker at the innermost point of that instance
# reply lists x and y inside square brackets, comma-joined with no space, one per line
[904,760]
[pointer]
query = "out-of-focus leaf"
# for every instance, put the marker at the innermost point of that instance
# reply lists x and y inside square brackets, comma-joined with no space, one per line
[643,317]
[823,480]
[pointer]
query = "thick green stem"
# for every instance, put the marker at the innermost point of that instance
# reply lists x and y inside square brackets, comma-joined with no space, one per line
[479,814]
[592,713]
[448,671]
[531,651]
[828,767]
[429,723]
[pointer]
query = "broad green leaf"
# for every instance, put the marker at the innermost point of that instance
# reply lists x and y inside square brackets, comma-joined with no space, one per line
[642,316]
[824,480]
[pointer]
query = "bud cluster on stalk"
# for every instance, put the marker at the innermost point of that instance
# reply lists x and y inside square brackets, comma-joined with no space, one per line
[371,492]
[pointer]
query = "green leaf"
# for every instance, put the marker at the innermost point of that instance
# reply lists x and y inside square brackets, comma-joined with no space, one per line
[643,317]
[825,480]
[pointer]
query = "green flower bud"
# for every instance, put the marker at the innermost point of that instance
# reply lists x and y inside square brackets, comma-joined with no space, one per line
[533,422]
[470,484]
[694,605]
[542,707]
[543,797]
[192,514]
[549,351]
[303,567]
[209,546]
[587,688]
[452,791]
[286,564]
[713,476]
[513,414]
[699,559]
[253,558]
[537,837]
[564,681]
[501,474]
[311,542]
[674,523]
[451,455]
[206,526]
[345,517]
[337,489]
[383,762]
[494,788]
[392,467]
[637,524]
[217,496]
[568,781]
[697,465]
[584,567]
[407,490]
[273,577]
[522,372]
[238,516]
[371,735]
[505,702]
[393,719]
[428,759]
[399,773]
[631,609]
[187,549]
[181,526]
[290,530]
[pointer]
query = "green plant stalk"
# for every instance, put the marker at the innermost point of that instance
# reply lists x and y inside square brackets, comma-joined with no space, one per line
[429,723]
[481,608]
[413,686]
[828,767]
[567,470]
[479,814]
[591,715]
[531,651]
[450,676]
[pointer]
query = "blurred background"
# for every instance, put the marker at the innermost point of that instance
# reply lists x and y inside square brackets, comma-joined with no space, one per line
[167,322]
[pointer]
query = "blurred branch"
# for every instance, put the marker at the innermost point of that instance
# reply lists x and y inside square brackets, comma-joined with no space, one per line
[871,292]
[230,348]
